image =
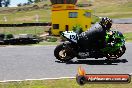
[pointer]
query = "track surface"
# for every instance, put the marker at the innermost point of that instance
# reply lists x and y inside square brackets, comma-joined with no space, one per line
[35,62]
[122,21]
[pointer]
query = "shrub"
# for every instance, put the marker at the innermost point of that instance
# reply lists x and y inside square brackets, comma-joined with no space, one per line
[9,36]
[35,6]
[2,36]
[51,39]
[77,29]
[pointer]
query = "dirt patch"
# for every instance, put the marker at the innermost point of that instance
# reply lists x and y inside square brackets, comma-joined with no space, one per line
[124,28]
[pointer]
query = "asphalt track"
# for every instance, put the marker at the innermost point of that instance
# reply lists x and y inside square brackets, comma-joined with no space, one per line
[122,21]
[35,62]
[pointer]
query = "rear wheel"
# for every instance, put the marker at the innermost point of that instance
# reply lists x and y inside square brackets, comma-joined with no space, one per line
[63,53]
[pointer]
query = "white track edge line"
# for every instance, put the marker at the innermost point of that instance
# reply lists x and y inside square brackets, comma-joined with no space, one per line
[41,79]
[37,79]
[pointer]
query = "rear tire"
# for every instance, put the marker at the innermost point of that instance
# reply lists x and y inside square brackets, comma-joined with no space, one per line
[63,53]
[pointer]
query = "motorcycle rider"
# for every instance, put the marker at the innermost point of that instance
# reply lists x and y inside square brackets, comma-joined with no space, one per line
[92,38]
[106,23]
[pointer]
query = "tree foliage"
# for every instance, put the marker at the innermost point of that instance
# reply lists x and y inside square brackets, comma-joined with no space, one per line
[0,3]
[30,1]
[4,3]
[36,1]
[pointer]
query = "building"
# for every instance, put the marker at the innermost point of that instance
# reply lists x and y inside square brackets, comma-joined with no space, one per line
[65,15]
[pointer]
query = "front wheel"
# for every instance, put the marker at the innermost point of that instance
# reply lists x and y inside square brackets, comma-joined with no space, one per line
[117,54]
[63,52]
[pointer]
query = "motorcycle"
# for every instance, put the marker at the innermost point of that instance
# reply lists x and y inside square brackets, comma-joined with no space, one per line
[97,44]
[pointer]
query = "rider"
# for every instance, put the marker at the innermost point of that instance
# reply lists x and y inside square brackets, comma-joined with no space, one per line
[92,36]
[106,23]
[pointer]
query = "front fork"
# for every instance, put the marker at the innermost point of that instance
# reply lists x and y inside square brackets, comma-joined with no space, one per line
[71,48]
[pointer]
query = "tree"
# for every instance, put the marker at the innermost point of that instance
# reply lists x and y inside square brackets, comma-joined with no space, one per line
[20,4]
[36,1]
[24,4]
[1,3]
[30,1]
[4,3]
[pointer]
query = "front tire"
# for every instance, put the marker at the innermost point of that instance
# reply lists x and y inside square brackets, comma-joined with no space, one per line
[117,54]
[63,52]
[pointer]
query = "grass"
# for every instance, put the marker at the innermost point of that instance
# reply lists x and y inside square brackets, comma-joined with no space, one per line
[23,30]
[116,11]
[39,44]
[128,37]
[26,16]
[112,8]
[63,83]
[46,43]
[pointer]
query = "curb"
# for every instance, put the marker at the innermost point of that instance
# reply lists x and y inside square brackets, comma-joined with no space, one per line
[37,79]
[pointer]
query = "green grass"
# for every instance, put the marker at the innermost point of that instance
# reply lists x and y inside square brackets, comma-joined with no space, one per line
[46,43]
[128,37]
[26,16]
[126,7]
[116,11]
[40,44]
[23,30]
[63,83]
[112,8]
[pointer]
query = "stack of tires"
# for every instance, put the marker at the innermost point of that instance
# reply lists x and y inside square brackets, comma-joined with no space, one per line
[10,40]
[2,36]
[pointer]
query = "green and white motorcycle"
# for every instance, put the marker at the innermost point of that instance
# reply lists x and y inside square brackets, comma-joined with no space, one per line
[97,44]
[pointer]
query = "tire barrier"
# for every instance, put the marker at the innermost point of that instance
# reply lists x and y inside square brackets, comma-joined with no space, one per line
[9,39]
[19,41]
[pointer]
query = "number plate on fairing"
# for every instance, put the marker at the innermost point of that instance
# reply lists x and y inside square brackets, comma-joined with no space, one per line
[71,36]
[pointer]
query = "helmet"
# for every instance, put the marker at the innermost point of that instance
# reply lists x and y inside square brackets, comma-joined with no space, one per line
[106,23]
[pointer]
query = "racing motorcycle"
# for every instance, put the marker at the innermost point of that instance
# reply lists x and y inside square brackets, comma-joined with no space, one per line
[94,43]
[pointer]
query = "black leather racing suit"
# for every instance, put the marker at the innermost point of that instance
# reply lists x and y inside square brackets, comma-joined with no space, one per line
[93,37]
